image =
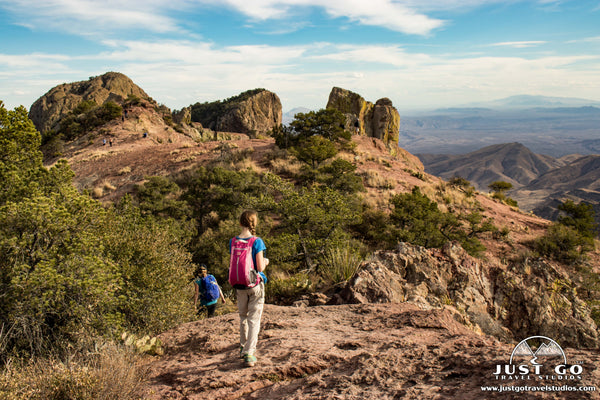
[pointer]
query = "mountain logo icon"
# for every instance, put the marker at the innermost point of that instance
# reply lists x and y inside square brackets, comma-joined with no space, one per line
[544,347]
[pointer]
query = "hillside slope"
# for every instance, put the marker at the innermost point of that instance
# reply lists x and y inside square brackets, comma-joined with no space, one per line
[578,180]
[509,162]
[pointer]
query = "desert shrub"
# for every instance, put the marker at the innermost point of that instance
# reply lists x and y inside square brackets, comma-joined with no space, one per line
[312,220]
[562,243]
[85,117]
[219,189]
[283,289]
[60,287]
[132,100]
[459,181]
[417,219]
[462,184]
[579,217]
[72,270]
[154,266]
[375,229]
[159,196]
[500,186]
[314,150]
[501,196]
[571,236]
[341,175]
[499,189]
[340,264]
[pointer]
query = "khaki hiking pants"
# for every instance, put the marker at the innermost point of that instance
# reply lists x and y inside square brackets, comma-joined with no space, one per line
[250,306]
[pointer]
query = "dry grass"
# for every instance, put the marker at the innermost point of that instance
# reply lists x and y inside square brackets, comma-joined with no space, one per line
[286,167]
[125,170]
[97,192]
[112,373]
[375,180]
[106,185]
[245,164]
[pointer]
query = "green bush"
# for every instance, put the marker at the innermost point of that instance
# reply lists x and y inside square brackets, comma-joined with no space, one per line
[284,290]
[84,118]
[341,176]
[417,219]
[579,217]
[563,243]
[72,270]
[314,150]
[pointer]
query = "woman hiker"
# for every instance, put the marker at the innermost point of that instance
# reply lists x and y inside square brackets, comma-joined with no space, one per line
[247,277]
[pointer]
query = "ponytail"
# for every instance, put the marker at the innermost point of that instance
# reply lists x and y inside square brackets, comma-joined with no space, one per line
[249,219]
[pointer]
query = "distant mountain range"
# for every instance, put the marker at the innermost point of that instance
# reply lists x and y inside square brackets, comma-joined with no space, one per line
[532,101]
[288,117]
[540,182]
[556,131]
[510,162]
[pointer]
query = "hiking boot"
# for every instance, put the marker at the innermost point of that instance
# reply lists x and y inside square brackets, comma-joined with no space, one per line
[249,360]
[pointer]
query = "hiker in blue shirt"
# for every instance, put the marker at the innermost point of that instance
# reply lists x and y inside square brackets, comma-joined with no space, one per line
[251,295]
[207,289]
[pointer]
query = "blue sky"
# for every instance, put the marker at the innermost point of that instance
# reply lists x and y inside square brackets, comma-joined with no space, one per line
[419,53]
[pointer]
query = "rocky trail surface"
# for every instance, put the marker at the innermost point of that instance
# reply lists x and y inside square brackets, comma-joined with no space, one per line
[363,351]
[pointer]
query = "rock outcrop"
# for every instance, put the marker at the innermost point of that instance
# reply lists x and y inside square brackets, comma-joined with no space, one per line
[531,297]
[254,111]
[47,111]
[380,120]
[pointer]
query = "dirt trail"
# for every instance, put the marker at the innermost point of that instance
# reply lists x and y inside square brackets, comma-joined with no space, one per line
[372,351]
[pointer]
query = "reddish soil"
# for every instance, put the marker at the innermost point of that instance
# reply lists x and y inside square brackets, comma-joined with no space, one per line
[372,351]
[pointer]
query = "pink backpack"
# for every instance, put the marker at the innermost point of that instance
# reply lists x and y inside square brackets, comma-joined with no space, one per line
[242,274]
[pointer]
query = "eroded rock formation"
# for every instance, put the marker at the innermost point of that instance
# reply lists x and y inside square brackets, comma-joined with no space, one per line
[380,120]
[47,111]
[254,111]
[531,297]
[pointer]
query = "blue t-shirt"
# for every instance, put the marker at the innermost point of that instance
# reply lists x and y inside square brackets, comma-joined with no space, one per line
[257,247]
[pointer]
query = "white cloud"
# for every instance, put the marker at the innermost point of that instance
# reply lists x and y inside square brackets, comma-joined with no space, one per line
[182,73]
[520,45]
[87,17]
[394,15]
[91,16]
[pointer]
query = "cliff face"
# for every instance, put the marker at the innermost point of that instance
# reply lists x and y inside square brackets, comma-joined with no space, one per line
[255,111]
[47,111]
[380,120]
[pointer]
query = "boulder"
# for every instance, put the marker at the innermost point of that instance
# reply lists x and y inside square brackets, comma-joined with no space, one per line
[380,120]
[47,111]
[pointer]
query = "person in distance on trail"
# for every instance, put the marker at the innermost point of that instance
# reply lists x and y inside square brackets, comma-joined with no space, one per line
[207,290]
[246,275]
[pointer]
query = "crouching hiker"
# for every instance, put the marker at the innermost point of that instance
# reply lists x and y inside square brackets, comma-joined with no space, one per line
[207,290]
[246,275]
